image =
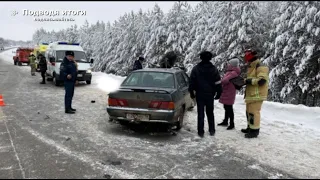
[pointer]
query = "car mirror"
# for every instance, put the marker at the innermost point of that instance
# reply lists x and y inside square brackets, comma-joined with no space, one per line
[91,61]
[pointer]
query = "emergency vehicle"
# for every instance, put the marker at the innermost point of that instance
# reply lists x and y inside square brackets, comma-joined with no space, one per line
[55,54]
[22,56]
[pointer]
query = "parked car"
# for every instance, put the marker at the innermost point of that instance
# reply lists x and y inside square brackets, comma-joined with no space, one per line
[152,95]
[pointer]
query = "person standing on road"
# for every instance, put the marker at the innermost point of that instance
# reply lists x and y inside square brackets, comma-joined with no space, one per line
[138,64]
[32,62]
[228,95]
[69,71]
[256,92]
[43,67]
[206,82]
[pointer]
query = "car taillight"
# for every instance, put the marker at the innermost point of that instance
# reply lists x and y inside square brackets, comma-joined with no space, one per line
[161,105]
[117,102]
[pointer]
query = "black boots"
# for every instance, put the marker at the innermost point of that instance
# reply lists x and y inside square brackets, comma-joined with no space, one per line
[231,126]
[245,130]
[225,123]
[43,82]
[253,133]
[69,111]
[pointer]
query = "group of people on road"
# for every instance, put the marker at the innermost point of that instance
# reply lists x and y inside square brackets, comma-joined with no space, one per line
[207,85]
[42,66]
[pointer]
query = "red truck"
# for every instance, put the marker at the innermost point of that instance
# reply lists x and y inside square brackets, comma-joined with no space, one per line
[22,55]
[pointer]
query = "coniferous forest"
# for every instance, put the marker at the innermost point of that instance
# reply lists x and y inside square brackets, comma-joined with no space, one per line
[286,35]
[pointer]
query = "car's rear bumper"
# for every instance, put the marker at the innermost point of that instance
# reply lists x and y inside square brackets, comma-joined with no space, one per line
[156,116]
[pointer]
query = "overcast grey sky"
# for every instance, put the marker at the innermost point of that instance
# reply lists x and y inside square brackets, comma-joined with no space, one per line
[22,27]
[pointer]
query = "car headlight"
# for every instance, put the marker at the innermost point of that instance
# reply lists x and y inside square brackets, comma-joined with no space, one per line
[89,71]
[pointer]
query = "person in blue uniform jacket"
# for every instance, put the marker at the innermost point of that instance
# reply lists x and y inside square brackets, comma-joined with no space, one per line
[69,72]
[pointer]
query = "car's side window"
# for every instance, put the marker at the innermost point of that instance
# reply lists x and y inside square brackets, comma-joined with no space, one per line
[186,77]
[181,81]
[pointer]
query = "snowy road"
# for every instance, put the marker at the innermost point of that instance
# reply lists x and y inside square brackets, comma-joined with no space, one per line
[38,140]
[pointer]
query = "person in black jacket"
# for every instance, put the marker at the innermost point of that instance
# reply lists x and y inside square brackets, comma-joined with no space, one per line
[205,86]
[138,64]
[69,73]
[43,67]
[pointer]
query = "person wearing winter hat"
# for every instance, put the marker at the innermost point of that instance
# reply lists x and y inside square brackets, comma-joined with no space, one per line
[229,92]
[69,71]
[256,92]
[205,80]
[138,63]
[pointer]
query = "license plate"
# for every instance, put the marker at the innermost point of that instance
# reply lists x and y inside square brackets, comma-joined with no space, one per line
[79,75]
[140,117]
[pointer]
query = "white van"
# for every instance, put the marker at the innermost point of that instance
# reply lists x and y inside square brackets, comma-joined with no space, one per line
[55,54]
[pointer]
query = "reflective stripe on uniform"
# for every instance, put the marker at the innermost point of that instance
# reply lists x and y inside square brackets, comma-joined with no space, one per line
[218,82]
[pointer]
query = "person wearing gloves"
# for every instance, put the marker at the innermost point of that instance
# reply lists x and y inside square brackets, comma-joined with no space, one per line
[257,82]
[205,86]
[228,95]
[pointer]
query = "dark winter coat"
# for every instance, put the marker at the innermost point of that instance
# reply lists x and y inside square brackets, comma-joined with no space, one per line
[43,64]
[205,80]
[168,60]
[68,67]
[228,89]
[137,65]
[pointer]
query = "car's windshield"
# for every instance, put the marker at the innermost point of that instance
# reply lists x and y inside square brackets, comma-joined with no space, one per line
[79,56]
[150,79]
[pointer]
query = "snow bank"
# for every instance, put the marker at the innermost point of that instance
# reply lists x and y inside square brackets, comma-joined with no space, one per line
[107,82]
[7,55]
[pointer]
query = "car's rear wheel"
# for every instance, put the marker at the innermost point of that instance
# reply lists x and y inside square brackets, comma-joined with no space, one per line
[88,82]
[179,124]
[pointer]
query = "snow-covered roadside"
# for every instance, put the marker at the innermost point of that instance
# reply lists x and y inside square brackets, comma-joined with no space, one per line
[7,55]
[289,138]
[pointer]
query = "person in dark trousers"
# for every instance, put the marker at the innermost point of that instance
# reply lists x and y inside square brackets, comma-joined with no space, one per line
[69,71]
[228,95]
[138,64]
[43,67]
[205,80]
